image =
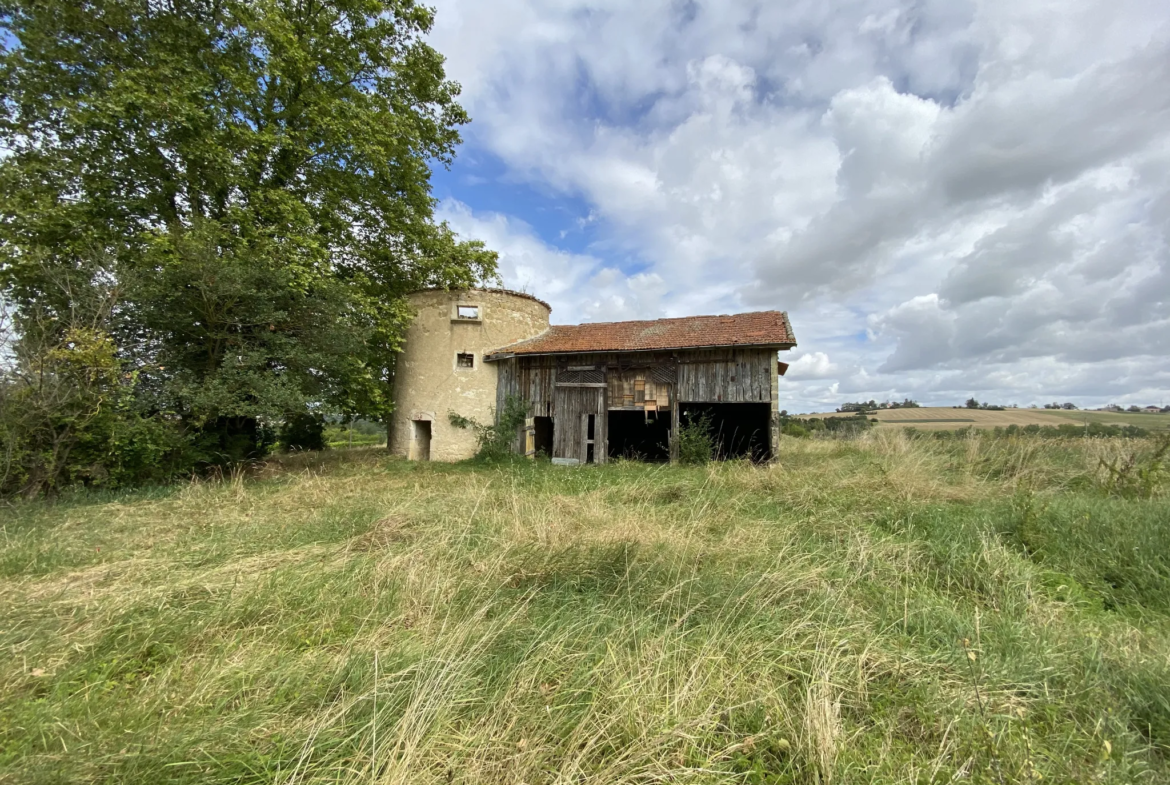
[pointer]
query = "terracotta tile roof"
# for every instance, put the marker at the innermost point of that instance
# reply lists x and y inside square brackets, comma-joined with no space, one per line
[761,328]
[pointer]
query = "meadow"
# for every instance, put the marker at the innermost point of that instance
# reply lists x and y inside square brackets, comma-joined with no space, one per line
[884,609]
[930,418]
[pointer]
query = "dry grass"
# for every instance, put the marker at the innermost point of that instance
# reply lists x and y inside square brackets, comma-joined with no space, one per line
[350,618]
[947,418]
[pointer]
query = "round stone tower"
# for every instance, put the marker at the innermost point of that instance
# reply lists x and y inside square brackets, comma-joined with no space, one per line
[441,368]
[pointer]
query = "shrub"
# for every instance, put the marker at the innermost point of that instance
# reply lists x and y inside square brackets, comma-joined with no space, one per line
[68,416]
[1138,476]
[304,431]
[696,443]
[496,440]
[793,428]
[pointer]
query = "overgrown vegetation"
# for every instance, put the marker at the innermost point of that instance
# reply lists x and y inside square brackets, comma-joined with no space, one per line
[1089,430]
[696,440]
[210,214]
[828,427]
[878,609]
[496,440]
[69,415]
[1140,474]
[355,433]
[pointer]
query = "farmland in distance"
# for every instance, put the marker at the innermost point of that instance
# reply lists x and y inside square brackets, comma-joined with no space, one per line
[950,418]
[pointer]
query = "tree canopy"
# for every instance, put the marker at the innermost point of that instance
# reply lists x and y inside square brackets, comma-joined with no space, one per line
[247,181]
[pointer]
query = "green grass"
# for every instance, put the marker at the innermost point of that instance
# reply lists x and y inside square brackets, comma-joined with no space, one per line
[880,610]
[1151,422]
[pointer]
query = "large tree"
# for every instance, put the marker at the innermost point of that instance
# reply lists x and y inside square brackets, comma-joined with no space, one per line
[250,176]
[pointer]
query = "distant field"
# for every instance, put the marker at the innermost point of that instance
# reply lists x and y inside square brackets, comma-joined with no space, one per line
[947,418]
[1159,422]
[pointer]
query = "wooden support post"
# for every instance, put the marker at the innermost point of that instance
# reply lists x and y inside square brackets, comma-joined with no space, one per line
[674,425]
[774,413]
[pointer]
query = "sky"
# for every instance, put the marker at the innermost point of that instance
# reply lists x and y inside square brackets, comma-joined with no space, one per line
[950,198]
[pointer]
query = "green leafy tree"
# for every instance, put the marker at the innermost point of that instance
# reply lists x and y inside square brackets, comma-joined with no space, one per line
[254,175]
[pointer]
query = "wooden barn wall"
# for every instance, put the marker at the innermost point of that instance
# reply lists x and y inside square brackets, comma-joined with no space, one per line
[537,384]
[533,379]
[703,376]
[573,405]
[506,382]
[726,376]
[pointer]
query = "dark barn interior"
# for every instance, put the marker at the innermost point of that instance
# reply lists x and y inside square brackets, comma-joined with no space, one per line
[643,436]
[542,436]
[741,430]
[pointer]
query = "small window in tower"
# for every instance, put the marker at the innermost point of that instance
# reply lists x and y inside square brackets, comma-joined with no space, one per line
[465,360]
[467,311]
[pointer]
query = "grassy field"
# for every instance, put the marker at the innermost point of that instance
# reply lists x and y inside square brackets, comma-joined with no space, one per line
[947,418]
[879,610]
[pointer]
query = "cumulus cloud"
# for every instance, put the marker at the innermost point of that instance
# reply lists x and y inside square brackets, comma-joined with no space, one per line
[949,197]
[579,287]
[811,365]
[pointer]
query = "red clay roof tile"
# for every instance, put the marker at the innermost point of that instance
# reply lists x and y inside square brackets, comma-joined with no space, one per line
[760,328]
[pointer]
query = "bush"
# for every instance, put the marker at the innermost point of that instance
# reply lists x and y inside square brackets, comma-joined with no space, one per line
[68,416]
[793,428]
[495,441]
[696,443]
[301,432]
[229,441]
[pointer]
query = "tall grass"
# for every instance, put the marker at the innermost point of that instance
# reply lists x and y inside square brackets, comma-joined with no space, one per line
[878,610]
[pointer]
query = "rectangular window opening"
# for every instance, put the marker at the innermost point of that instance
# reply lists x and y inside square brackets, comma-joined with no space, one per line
[467,311]
[465,360]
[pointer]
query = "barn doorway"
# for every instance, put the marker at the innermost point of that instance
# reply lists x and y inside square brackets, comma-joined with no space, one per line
[421,441]
[639,435]
[741,430]
[542,436]
[590,429]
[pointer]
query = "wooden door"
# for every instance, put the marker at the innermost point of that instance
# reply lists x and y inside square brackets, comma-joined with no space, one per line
[529,437]
[574,406]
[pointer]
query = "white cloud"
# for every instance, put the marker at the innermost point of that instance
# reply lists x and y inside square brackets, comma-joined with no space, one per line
[579,287]
[949,197]
[813,365]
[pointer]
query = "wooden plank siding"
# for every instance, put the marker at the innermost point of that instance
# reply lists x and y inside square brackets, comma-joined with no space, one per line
[532,379]
[727,376]
[573,407]
[506,382]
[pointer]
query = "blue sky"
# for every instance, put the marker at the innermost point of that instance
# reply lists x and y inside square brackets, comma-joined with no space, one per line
[950,198]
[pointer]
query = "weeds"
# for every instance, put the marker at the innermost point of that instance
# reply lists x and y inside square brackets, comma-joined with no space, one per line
[696,441]
[1137,475]
[496,440]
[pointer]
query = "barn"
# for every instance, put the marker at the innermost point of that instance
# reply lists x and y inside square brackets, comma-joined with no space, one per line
[593,392]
